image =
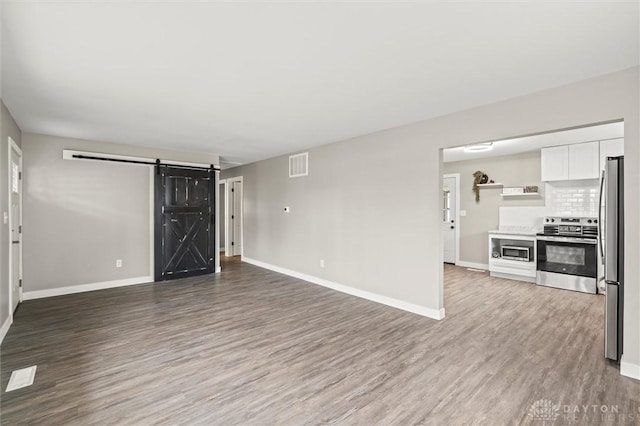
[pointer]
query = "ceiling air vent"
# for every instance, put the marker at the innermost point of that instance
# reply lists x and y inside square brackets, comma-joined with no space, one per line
[299,165]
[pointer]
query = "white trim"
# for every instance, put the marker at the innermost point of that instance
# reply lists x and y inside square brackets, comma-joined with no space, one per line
[5,327]
[218,270]
[219,213]
[378,298]
[473,265]
[67,154]
[13,146]
[216,215]
[227,192]
[59,291]
[629,369]
[456,176]
[152,221]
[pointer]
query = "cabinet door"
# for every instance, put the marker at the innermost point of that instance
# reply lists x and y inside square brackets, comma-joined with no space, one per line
[584,160]
[610,148]
[555,163]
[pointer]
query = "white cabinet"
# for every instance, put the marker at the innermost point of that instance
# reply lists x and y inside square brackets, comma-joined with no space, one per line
[570,162]
[584,161]
[508,268]
[610,148]
[555,163]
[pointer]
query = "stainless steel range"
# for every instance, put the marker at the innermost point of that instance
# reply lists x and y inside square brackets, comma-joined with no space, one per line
[567,254]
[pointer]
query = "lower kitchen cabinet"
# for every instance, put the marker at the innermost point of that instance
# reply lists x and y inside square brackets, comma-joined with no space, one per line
[512,256]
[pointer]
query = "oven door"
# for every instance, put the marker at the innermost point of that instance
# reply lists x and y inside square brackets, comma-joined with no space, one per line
[568,256]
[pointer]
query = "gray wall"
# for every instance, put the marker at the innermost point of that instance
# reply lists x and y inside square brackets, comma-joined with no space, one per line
[512,170]
[80,216]
[8,128]
[369,205]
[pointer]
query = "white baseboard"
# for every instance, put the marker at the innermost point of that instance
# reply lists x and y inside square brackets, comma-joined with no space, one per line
[39,294]
[474,265]
[399,304]
[629,369]
[5,327]
[218,269]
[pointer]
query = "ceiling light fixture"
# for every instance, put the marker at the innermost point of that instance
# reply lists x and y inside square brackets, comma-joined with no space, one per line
[479,147]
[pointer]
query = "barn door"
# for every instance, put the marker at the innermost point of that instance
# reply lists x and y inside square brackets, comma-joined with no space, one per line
[184,226]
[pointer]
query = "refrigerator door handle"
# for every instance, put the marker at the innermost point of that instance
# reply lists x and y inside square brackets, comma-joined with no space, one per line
[600,236]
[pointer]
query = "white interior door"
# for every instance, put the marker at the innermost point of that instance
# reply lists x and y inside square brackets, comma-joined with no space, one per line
[449,214]
[236,218]
[15,223]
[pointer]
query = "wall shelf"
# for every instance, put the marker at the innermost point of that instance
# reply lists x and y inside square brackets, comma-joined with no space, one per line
[490,185]
[524,194]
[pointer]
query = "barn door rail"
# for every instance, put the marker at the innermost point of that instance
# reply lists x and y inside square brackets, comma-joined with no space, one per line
[68,154]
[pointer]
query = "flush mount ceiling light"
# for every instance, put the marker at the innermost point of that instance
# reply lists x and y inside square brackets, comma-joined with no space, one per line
[479,147]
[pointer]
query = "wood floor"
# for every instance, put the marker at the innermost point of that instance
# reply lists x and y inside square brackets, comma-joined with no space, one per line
[250,346]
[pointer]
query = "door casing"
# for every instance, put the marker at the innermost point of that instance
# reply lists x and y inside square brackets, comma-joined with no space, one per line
[13,147]
[456,213]
[228,248]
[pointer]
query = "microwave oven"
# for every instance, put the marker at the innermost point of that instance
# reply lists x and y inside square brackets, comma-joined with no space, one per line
[516,253]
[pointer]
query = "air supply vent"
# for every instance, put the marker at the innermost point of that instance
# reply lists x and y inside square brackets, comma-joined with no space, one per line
[299,165]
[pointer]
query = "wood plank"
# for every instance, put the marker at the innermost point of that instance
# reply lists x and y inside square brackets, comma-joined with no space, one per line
[253,346]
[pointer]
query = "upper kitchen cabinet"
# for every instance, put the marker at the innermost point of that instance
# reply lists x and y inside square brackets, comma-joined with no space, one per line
[610,148]
[571,162]
[555,163]
[584,161]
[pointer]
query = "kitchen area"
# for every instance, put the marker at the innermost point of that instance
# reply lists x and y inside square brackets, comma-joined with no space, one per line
[544,210]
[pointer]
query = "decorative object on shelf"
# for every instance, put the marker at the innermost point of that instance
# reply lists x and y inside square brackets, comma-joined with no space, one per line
[492,181]
[479,178]
[531,189]
[513,190]
[495,255]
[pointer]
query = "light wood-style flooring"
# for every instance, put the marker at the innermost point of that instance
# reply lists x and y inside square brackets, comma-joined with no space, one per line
[250,346]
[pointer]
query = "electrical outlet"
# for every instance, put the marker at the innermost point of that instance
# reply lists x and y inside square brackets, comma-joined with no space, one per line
[322,263]
[118,263]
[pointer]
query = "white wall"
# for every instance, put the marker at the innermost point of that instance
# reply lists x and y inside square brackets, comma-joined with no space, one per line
[80,216]
[342,211]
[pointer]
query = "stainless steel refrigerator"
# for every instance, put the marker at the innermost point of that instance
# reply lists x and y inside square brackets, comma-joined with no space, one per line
[611,222]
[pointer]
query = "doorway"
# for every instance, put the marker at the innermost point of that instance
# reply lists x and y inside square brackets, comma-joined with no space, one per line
[450,217]
[15,224]
[184,222]
[234,214]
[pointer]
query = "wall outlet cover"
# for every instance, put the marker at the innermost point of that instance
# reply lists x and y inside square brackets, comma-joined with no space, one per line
[463,213]
[118,263]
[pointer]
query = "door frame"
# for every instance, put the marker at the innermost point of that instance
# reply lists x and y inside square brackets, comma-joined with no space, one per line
[227,215]
[223,214]
[456,214]
[13,147]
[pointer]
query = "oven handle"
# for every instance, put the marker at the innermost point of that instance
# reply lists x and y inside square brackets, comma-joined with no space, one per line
[569,240]
[600,245]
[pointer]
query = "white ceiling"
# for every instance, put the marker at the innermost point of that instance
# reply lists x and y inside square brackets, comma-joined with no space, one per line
[251,80]
[536,142]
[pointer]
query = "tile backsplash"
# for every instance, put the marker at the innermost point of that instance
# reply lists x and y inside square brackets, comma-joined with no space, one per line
[572,198]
